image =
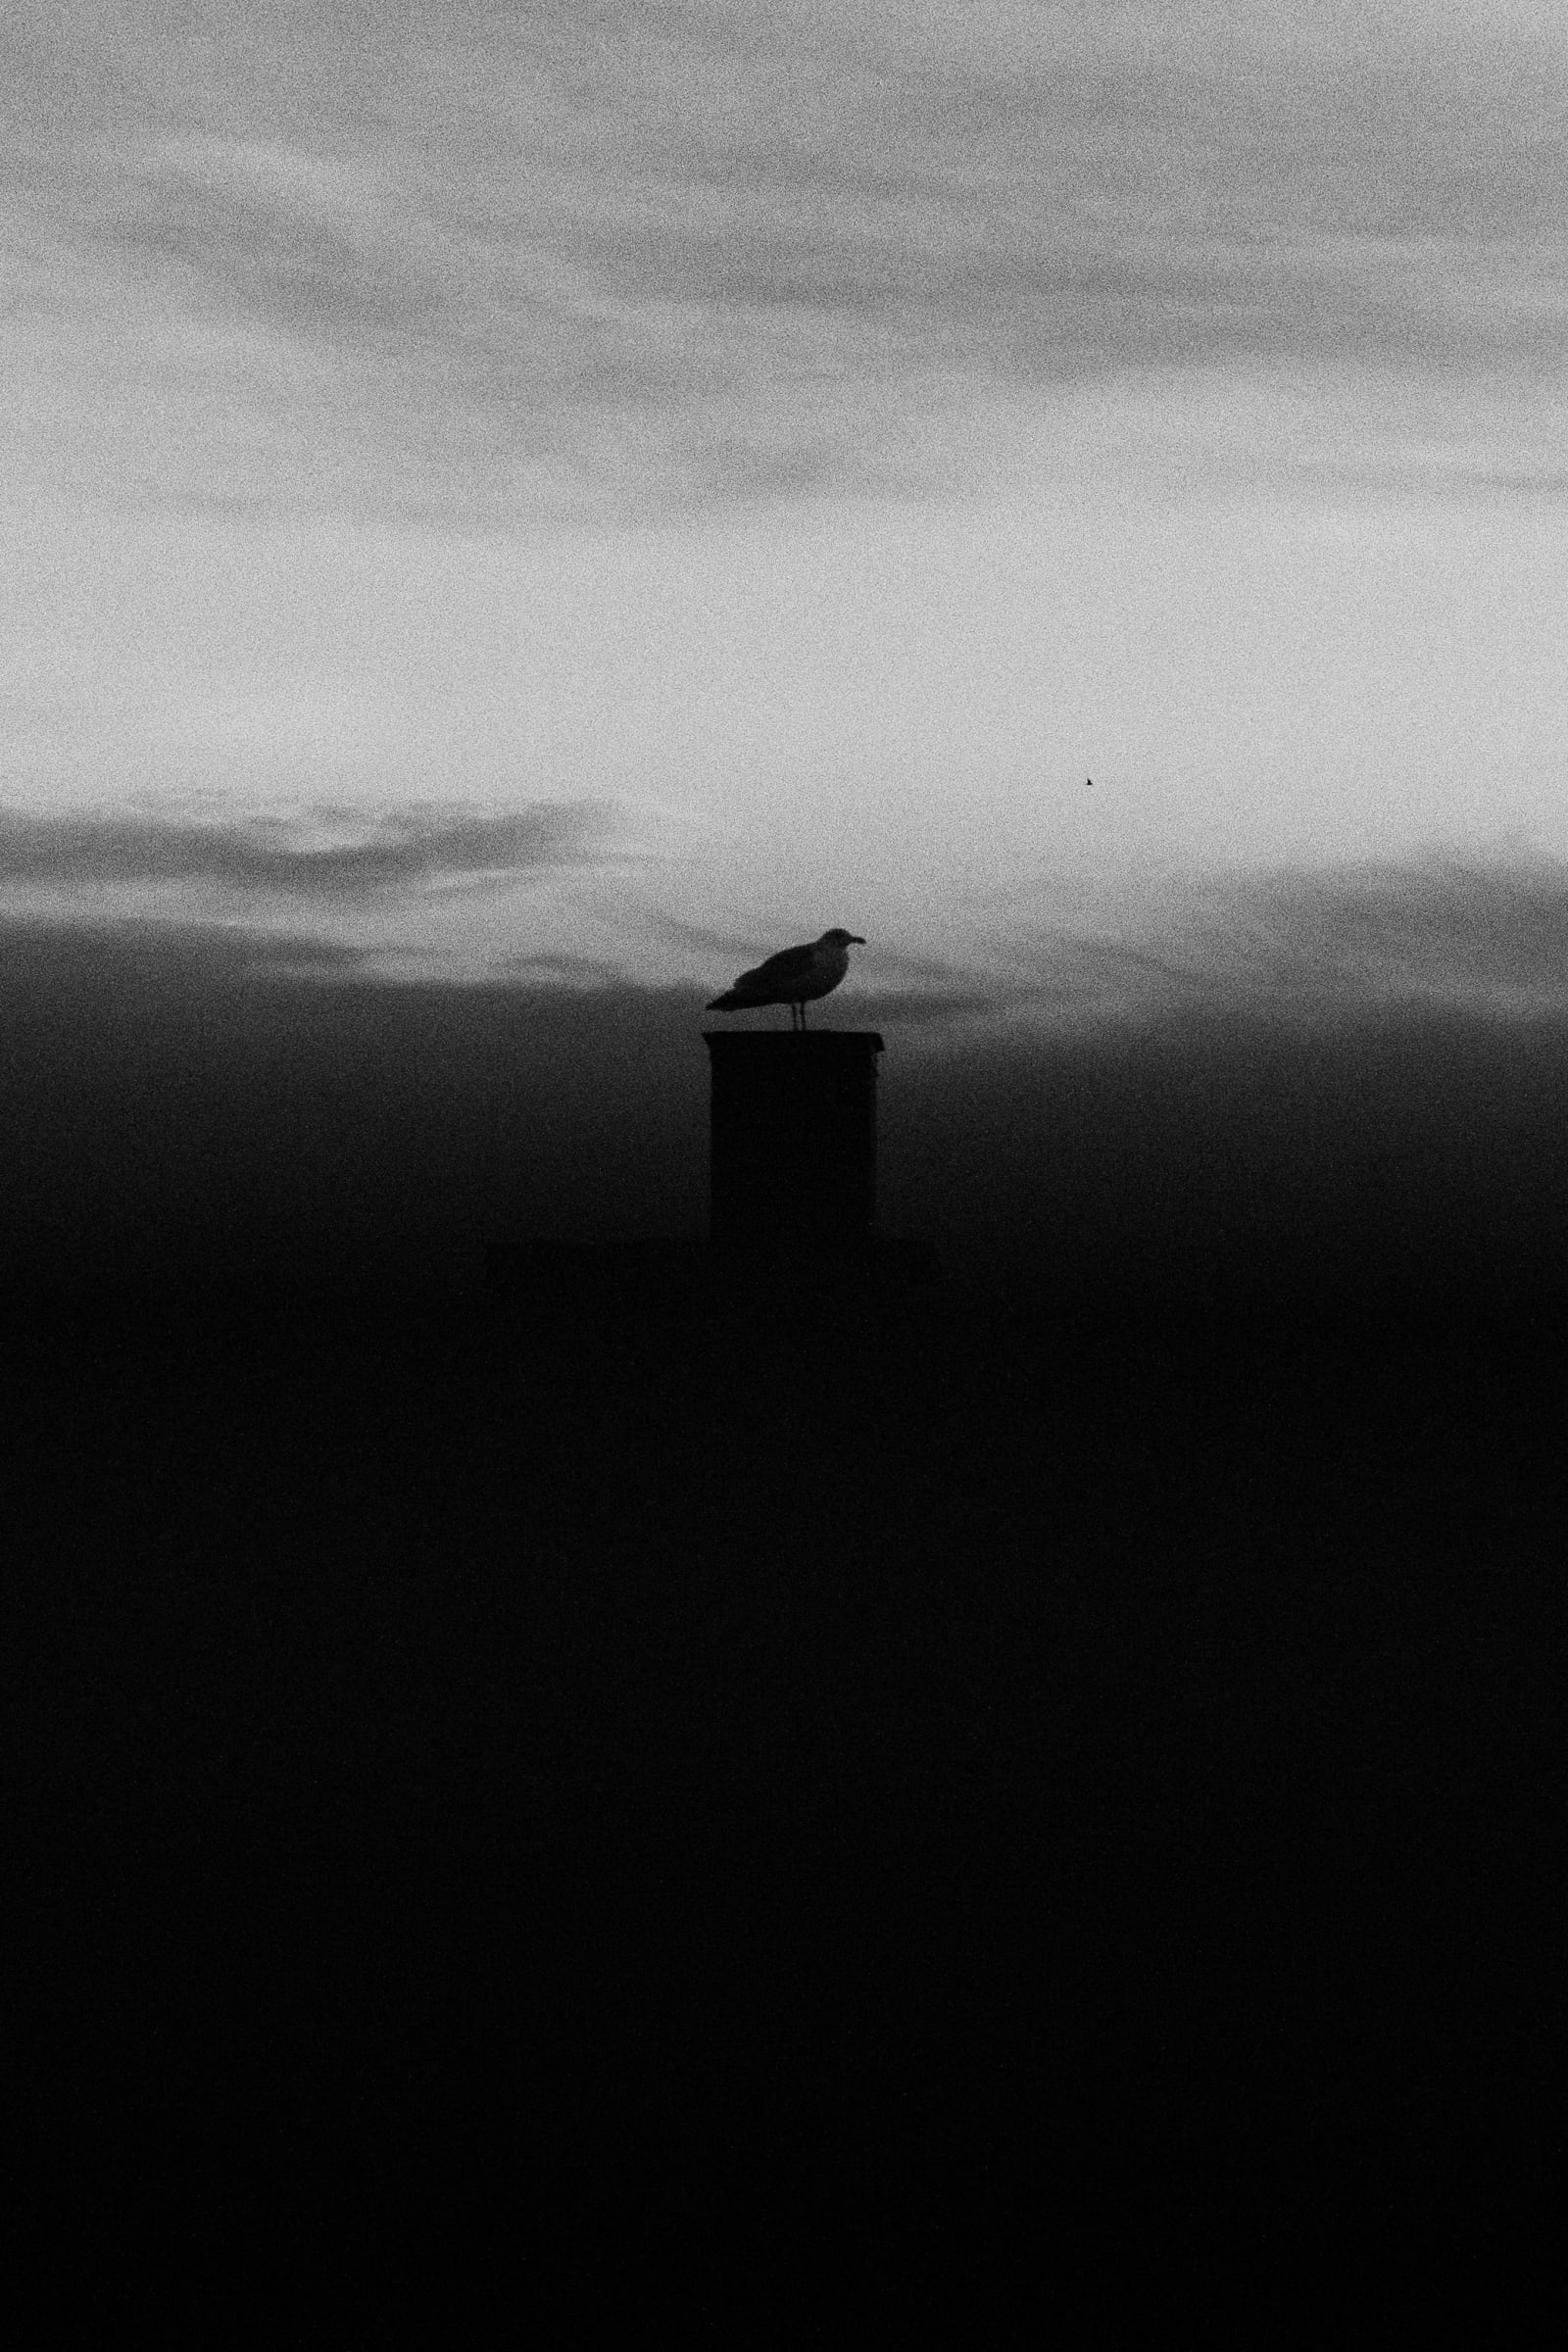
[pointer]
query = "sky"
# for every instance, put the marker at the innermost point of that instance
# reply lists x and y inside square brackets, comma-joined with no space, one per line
[595,492]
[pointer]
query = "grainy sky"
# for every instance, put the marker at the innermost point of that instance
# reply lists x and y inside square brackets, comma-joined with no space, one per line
[643,482]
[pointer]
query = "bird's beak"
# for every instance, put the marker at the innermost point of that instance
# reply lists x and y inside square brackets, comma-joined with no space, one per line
[855,941]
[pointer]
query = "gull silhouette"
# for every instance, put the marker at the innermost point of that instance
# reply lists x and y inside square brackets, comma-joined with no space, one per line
[795,977]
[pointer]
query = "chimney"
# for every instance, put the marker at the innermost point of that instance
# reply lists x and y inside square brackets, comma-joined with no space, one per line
[793,1136]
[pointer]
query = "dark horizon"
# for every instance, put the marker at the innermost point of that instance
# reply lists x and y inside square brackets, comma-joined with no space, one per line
[1054,1764]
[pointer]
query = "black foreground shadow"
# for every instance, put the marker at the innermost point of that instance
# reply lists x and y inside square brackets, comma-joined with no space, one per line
[814,1789]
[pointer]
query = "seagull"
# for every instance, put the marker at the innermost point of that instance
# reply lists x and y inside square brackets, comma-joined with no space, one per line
[793,977]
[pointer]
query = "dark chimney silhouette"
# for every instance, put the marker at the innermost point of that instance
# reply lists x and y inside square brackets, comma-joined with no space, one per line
[793,1138]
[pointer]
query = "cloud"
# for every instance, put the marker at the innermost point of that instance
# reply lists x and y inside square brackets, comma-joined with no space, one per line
[414,850]
[168,955]
[1486,938]
[712,942]
[560,970]
[928,1007]
[1441,928]
[716,250]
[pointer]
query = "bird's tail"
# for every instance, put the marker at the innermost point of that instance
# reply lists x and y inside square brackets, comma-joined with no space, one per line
[731,1001]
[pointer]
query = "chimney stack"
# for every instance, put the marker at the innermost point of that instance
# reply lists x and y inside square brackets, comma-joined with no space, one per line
[793,1138]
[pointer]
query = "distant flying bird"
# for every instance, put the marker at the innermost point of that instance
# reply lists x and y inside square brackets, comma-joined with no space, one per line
[795,976]
[1088,780]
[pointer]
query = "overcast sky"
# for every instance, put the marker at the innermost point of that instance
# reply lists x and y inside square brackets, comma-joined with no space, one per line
[649,481]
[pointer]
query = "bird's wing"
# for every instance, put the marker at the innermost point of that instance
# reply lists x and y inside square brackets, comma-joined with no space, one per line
[784,967]
[789,964]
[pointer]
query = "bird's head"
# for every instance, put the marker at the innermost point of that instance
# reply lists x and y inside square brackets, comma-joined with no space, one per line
[841,939]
